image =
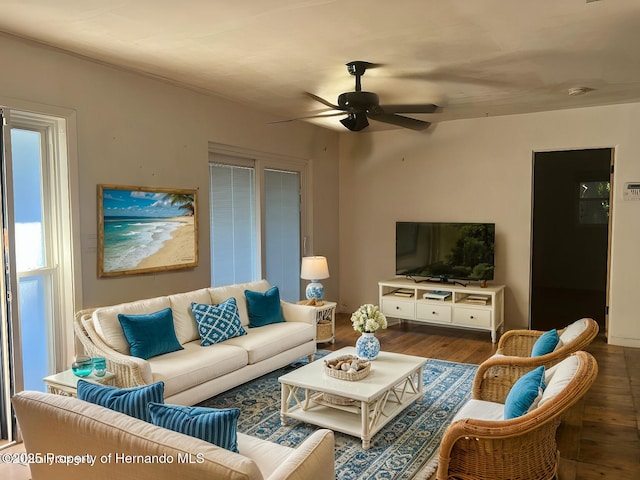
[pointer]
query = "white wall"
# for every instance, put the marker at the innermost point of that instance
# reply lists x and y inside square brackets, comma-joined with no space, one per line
[134,130]
[480,170]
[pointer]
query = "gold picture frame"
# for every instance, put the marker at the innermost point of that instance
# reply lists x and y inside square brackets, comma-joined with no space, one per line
[146,229]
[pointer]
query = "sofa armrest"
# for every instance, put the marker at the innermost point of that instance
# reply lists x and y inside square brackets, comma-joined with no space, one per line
[130,371]
[292,312]
[313,458]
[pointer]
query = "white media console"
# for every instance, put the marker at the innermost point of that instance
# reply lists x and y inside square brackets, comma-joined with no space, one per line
[444,304]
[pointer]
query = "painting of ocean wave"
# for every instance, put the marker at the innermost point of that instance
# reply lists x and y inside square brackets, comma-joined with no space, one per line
[144,230]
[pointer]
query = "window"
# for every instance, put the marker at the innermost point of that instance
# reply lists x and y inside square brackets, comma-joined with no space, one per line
[256,220]
[38,221]
[593,208]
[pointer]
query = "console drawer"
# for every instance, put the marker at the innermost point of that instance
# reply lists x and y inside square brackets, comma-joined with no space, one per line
[473,317]
[398,308]
[435,313]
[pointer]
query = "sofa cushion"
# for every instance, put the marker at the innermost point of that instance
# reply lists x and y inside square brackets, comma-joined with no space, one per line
[545,343]
[106,322]
[195,365]
[263,307]
[270,340]
[150,334]
[220,294]
[130,401]
[557,378]
[183,320]
[524,394]
[217,323]
[217,426]
[268,456]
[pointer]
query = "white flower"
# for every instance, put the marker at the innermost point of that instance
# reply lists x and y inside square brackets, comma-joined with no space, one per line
[368,318]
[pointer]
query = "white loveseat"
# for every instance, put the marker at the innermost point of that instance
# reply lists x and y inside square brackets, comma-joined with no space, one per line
[196,373]
[79,440]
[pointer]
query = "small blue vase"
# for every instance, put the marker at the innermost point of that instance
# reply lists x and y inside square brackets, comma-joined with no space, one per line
[367,346]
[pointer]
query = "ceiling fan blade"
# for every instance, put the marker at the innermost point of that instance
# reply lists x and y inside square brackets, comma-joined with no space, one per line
[400,121]
[324,102]
[418,108]
[321,115]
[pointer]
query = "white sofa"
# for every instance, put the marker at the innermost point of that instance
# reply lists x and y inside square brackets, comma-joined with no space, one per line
[196,373]
[64,429]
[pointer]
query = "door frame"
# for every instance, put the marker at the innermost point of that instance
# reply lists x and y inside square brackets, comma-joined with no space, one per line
[609,226]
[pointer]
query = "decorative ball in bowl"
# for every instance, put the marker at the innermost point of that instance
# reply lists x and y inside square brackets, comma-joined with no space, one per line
[82,366]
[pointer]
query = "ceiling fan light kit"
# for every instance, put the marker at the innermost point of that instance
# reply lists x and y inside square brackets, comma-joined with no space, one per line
[360,106]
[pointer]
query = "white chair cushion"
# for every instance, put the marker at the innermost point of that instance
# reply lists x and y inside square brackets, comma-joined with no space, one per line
[557,378]
[195,365]
[480,410]
[268,341]
[107,325]
[572,331]
[220,294]
[183,319]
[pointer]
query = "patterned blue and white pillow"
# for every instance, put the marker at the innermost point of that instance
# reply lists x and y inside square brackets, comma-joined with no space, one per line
[217,426]
[217,323]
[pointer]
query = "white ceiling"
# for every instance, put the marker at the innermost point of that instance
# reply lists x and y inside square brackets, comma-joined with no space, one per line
[472,57]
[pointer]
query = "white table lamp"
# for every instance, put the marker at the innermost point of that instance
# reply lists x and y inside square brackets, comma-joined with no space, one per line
[314,269]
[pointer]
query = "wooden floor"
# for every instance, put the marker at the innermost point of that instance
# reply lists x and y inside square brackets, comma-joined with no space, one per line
[599,438]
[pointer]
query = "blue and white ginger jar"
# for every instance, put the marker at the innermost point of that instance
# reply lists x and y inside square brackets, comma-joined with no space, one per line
[367,346]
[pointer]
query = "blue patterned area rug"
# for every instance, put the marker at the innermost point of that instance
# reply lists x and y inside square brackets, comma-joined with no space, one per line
[406,448]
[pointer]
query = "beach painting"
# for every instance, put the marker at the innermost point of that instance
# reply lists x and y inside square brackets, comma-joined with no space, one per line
[143,229]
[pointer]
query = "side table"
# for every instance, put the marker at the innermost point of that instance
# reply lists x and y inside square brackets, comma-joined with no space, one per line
[66,383]
[325,322]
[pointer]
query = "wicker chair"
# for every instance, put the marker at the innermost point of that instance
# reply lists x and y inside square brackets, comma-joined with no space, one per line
[518,343]
[523,448]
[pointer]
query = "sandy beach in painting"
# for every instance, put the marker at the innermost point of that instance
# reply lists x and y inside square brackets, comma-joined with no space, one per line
[140,243]
[177,250]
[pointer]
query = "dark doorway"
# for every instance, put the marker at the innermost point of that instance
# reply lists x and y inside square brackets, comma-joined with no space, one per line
[570,244]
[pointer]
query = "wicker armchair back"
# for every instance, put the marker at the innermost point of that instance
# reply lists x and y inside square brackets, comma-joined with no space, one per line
[518,343]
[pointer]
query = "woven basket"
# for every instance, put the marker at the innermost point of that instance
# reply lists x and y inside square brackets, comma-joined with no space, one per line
[345,375]
[337,399]
[323,330]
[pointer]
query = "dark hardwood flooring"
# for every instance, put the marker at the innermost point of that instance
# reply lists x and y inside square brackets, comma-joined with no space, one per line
[599,437]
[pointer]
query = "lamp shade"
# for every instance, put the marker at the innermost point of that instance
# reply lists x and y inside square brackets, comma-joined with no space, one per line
[314,268]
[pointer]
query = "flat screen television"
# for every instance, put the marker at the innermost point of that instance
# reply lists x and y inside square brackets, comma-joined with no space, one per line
[435,251]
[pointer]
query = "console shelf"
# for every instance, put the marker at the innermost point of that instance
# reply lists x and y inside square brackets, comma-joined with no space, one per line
[444,304]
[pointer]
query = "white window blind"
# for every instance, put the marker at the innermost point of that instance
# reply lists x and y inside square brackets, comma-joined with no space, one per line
[282,231]
[233,224]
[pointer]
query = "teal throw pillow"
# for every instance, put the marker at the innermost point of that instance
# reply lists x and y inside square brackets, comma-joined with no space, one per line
[130,401]
[546,343]
[264,308]
[151,334]
[217,323]
[524,394]
[217,426]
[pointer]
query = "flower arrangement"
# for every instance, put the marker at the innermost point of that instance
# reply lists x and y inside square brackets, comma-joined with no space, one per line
[368,318]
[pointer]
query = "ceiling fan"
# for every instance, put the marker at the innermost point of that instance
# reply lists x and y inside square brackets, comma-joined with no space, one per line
[361,106]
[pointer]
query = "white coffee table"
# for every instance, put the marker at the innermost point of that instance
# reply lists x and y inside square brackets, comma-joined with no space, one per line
[394,383]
